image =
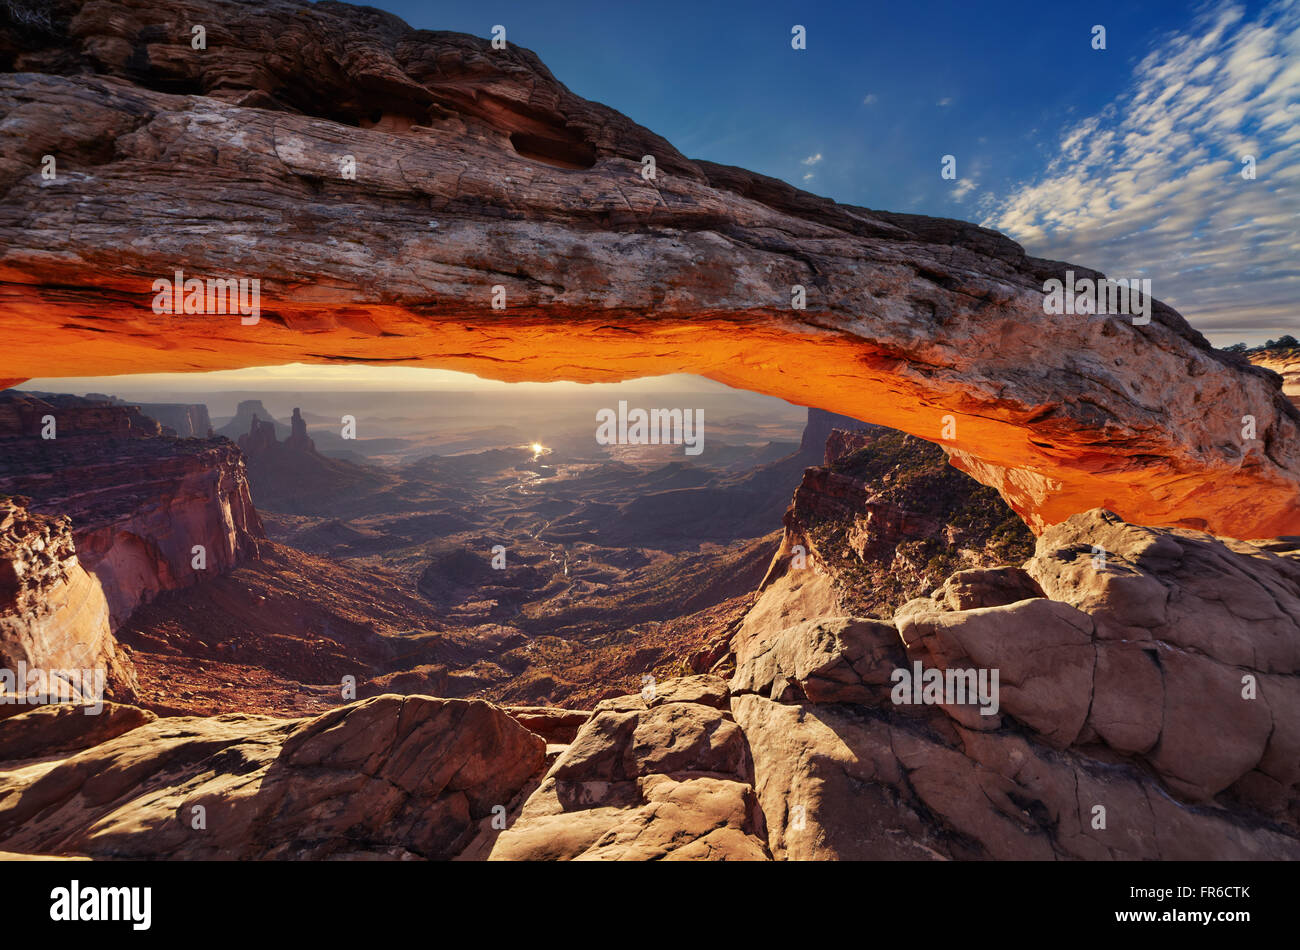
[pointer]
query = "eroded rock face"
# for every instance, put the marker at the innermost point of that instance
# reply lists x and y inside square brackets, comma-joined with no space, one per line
[840,782]
[828,660]
[473,163]
[185,420]
[139,502]
[843,442]
[885,519]
[1148,707]
[646,778]
[1237,602]
[53,614]
[393,777]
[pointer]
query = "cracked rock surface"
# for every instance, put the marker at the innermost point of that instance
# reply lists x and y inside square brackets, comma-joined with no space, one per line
[392,777]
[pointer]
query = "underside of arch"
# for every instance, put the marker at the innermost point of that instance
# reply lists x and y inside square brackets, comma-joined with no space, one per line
[390,242]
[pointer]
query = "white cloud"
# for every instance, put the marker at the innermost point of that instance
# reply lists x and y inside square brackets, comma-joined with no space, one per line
[812,159]
[1153,180]
[869,99]
[945,101]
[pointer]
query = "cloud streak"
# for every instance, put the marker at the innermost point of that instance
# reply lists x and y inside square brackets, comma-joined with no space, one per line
[1152,184]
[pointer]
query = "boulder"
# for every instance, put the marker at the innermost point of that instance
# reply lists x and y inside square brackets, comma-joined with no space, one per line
[833,659]
[666,779]
[386,777]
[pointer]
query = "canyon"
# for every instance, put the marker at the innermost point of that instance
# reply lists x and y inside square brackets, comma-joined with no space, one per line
[476,169]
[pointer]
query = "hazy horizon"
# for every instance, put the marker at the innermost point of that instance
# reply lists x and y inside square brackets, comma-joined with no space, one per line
[330,378]
[318,390]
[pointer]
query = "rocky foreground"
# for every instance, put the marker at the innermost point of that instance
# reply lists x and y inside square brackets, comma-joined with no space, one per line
[1149,708]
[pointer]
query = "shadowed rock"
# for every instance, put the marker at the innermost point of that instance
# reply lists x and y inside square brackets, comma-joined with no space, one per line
[387,777]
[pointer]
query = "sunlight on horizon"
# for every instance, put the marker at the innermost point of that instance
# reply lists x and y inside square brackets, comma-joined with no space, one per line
[328,377]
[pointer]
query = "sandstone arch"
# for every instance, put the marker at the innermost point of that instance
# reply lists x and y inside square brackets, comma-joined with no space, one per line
[607,275]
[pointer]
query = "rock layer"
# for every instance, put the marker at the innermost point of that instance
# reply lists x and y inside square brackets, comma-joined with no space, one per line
[476,169]
[53,614]
[1123,730]
[139,502]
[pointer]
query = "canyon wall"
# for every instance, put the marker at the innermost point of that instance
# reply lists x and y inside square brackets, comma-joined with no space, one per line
[886,519]
[188,421]
[53,614]
[385,185]
[139,503]
[1148,709]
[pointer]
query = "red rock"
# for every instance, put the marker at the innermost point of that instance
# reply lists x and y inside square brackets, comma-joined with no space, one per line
[53,614]
[64,727]
[667,778]
[388,777]
[841,443]
[139,502]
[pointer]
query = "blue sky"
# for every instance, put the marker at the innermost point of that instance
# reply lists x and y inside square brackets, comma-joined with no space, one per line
[1125,159]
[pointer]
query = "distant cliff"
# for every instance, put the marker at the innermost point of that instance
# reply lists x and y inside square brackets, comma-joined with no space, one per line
[189,421]
[291,476]
[245,413]
[186,420]
[140,503]
[819,427]
[53,614]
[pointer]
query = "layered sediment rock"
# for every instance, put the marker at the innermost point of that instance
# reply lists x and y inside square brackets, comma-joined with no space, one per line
[53,614]
[379,182]
[140,504]
[48,416]
[185,420]
[1122,726]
